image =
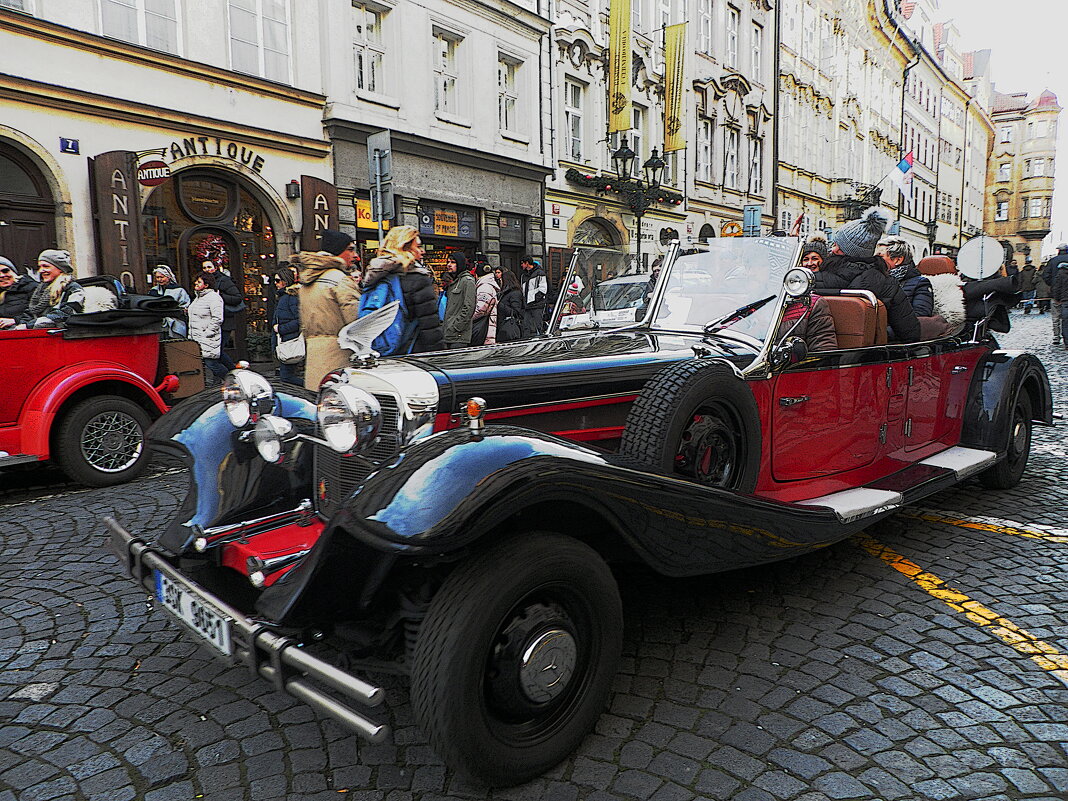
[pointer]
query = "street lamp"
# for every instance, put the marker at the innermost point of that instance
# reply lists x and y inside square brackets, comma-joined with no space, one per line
[932,233]
[638,194]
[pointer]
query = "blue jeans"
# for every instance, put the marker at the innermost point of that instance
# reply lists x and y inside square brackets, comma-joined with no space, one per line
[218,369]
[290,374]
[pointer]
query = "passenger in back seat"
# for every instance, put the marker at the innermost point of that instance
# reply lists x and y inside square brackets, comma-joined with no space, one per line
[852,264]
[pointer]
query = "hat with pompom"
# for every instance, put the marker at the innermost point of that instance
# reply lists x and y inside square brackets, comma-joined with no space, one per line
[817,245]
[859,237]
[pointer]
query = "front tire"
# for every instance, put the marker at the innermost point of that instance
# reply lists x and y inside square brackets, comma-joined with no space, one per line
[516,657]
[101,441]
[1007,473]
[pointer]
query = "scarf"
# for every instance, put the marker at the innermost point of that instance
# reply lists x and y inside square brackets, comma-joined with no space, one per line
[39,302]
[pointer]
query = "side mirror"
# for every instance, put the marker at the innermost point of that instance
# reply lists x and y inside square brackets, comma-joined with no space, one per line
[790,351]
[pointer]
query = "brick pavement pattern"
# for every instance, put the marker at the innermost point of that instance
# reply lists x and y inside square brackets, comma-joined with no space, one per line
[831,676]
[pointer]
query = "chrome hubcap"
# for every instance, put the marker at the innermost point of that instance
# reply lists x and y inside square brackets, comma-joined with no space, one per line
[112,442]
[548,662]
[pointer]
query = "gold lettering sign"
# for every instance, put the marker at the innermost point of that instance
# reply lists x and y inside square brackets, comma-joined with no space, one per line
[446,223]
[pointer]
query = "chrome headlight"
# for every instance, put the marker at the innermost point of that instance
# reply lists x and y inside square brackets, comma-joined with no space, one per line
[798,281]
[246,395]
[271,431]
[349,417]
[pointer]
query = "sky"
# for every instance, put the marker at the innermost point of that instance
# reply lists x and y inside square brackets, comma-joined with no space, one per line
[1028,41]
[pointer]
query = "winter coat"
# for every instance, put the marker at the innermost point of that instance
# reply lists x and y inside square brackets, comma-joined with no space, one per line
[1028,278]
[15,299]
[1049,273]
[285,325]
[917,288]
[535,289]
[810,320]
[459,309]
[42,312]
[486,303]
[420,298]
[233,300]
[206,321]
[510,315]
[858,272]
[174,326]
[1060,285]
[329,299]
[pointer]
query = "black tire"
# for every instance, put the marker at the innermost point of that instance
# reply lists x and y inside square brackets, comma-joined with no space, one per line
[101,441]
[1006,474]
[467,675]
[697,420]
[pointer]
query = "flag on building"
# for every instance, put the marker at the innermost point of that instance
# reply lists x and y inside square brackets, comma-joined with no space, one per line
[901,175]
[674,48]
[619,117]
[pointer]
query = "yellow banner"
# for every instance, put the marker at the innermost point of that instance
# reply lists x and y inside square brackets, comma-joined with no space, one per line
[364,218]
[619,116]
[674,50]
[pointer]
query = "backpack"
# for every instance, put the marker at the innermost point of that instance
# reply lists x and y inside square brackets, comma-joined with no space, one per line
[399,338]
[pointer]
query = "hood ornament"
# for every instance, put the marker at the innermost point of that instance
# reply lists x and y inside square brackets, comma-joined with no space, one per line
[358,335]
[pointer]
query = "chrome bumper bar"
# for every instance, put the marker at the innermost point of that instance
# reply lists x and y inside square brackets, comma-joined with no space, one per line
[278,659]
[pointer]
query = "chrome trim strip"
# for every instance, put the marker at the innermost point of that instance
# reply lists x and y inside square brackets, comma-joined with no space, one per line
[583,399]
[302,510]
[853,504]
[962,461]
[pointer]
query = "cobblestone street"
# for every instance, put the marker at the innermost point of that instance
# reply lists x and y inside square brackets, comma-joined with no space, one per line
[926,658]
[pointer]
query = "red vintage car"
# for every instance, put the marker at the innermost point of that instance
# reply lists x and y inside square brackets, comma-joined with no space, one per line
[455,515]
[84,396]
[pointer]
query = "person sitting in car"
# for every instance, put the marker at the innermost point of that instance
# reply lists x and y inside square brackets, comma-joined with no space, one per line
[852,264]
[898,255]
[810,319]
[56,297]
[15,292]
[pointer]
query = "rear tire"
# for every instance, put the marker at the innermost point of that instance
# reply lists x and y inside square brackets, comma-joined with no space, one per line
[516,657]
[1007,473]
[101,441]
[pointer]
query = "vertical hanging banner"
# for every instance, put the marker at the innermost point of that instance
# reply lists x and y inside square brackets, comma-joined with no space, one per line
[619,58]
[318,205]
[117,210]
[674,53]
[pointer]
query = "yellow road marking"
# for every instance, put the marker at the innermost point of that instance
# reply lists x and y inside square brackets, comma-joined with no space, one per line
[1041,653]
[981,525]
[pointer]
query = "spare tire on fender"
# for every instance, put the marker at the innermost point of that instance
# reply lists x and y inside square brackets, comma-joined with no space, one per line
[697,420]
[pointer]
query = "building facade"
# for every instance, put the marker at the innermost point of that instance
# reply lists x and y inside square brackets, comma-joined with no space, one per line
[1021,170]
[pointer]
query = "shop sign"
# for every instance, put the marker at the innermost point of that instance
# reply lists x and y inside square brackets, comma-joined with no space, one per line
[117,209]
[153,173]
[365,218]
[448,222]
[318,199]
[731,228]
[512,230]
[194,146]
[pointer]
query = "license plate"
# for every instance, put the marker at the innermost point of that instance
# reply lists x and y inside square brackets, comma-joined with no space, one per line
[186,604]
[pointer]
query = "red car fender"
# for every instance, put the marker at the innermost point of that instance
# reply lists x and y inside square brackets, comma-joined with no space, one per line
[44,402]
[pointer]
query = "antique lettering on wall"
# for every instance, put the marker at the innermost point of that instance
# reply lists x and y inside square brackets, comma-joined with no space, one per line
[318,200]
[117,210]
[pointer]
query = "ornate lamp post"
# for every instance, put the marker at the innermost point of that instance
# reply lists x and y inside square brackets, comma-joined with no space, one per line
[638,193]
[932,233]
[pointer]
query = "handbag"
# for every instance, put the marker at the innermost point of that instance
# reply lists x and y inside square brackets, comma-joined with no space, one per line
[479,330]
[291,351]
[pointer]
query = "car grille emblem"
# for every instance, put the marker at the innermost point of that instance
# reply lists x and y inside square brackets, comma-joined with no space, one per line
[322,489]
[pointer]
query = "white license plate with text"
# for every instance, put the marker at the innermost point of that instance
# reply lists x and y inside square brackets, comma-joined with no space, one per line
[185,604]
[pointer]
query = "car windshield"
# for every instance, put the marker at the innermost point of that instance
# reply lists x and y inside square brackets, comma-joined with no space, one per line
[708,283]
[602,288]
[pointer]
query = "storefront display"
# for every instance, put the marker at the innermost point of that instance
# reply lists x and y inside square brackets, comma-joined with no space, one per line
[444,229]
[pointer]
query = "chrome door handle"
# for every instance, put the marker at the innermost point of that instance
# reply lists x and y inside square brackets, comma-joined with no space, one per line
[960,368]
[793,401]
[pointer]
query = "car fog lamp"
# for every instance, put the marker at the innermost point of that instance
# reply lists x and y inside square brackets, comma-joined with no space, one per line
[270,433]
[798,281]
[246,395]
[349,417]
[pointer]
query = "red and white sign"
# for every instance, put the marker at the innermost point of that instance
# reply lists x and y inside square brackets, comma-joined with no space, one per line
[152,173]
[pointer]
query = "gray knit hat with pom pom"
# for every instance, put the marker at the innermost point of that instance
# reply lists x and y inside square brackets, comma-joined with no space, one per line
[859,237]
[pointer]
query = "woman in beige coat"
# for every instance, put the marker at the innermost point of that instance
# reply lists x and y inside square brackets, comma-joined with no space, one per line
[329,300]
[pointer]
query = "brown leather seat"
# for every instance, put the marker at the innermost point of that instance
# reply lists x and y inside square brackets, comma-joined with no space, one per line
[856,320]
[936,265]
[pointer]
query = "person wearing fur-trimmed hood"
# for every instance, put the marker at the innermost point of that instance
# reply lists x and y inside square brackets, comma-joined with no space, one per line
[852,264]
[329,300]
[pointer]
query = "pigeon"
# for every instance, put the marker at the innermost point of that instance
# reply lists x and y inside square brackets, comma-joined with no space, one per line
[358,335]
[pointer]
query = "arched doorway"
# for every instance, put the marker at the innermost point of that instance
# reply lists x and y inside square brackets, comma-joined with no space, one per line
[596,233]
[27,209]
[707,232]
[212,214]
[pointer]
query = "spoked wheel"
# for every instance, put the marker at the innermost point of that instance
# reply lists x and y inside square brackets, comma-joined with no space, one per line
[1007,473]
[516,657]
[696,420]
[101,441]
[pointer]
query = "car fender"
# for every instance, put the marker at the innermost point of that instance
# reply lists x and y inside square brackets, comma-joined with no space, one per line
[46,399]
[998,377]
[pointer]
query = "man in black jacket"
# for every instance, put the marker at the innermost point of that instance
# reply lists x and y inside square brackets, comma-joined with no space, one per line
[535,289]
[1049,275]
[233,305]
[852,264]
[15,291]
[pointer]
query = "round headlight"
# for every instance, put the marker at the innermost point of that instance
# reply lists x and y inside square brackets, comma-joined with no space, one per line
[246,395]
[270,432]
[349,417]
[798,281]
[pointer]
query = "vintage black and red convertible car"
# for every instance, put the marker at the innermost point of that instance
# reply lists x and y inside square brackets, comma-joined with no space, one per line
[455,514]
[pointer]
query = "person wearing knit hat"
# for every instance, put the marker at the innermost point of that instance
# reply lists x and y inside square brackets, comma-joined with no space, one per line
[15,292]
[814,253]
[57,297]
[339,244]
[852,264]
[57,258]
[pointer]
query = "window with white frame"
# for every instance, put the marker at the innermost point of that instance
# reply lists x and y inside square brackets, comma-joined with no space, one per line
[508,93]
[368,47]
[734,19]
[730,158]
[636,19]
[756,52]
[152,23]
[446,72]
[704,26]
[1005,133]
[637,135]
[574,100]
[259,38]
[17,5]
[1038,168]
[756,166]
[1004,171]
[1035,209]
[705,129]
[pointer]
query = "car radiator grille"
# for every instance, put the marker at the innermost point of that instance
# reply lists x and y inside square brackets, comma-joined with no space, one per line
[337,475]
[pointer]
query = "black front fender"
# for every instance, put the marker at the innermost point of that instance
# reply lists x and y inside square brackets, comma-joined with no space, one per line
[999,377]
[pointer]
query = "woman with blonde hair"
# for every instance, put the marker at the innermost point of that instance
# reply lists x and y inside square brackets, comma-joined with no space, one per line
[401,254]
[57,297]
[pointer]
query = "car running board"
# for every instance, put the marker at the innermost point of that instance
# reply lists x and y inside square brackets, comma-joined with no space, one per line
[929,475]
[7,460]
